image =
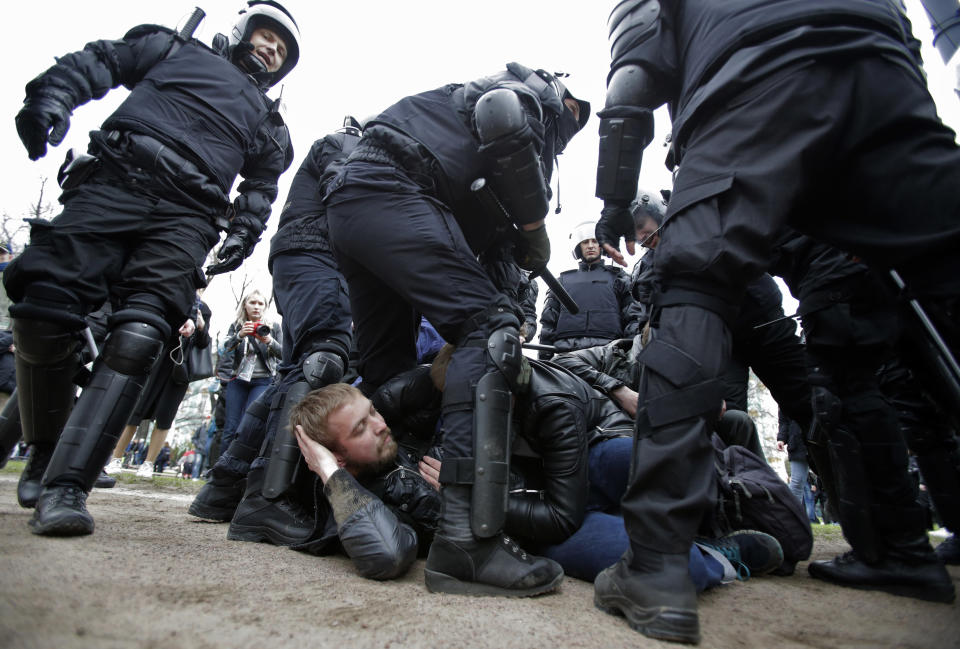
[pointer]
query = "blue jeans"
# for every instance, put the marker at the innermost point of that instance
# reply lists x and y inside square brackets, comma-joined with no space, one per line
[800,487]
[602,539]
[238,396]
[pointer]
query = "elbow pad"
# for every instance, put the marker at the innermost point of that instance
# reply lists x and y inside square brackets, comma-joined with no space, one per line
[511,146]
[626,128]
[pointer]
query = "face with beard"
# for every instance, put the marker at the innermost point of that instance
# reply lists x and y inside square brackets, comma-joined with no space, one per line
[362,443]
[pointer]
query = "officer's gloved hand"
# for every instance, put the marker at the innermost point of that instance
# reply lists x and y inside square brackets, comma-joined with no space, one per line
[535,251]
[43,119]
[236,247]
[615,222]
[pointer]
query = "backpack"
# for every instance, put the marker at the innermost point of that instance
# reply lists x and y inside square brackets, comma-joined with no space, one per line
[752,496]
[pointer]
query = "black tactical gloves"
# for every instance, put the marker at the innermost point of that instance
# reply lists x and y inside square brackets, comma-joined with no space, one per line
[44,119]
[615,222]
[236,247]
[534,254]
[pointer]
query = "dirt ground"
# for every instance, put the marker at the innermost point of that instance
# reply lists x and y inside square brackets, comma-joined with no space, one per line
[152,576]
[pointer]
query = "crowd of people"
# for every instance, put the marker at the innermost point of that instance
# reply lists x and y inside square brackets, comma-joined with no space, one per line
[345,427]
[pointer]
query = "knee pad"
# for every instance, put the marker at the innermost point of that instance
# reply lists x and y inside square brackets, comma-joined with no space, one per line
[133,347]
[323,368]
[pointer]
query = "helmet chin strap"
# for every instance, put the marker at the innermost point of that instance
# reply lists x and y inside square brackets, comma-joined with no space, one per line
[247,61]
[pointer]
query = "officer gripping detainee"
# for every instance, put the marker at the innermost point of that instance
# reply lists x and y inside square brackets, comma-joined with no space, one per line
[415,165]
[138,226]
[756,151]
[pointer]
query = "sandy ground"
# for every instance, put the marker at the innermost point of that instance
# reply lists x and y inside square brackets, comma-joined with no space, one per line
[152,576]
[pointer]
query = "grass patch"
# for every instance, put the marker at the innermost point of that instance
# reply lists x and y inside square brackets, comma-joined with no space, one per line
[164,482]
[14,466]
[826,533]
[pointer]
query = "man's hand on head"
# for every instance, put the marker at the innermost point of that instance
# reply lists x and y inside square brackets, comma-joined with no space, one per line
[318,457]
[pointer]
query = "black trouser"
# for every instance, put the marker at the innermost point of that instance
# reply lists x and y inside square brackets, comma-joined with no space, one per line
[403,255]
[311,295]
[110,242]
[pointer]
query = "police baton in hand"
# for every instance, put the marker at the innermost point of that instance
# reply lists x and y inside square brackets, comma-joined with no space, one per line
[492,206]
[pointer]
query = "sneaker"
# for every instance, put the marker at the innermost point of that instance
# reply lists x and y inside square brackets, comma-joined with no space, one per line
[752,553]
[62,511]
[115,466]
[494,566]
[145,469]
[104,481]
[29,486]
[659,600]
[949,550]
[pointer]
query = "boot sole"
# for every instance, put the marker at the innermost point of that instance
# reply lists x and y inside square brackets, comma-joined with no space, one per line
[67,527]
[942,594]
[211,512]
[661,622]
[438,582]
[261,535]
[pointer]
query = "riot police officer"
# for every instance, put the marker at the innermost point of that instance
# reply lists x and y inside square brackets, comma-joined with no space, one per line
[414,167]
[756,151]
[137,224]
[602,292]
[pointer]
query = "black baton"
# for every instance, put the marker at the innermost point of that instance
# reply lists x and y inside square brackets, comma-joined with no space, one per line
[186,33]
[540,348]
[492,204]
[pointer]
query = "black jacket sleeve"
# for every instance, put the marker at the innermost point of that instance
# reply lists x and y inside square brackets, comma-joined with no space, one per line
[558,433]
[588,364]
[380,546]
[102,65]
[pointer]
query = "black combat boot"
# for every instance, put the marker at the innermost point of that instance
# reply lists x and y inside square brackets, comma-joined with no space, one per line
[654,593]
[911,570]
[283,521]
[949,551]
[30,486]
[62,511]
[462,564]
[105,481]
[219,498]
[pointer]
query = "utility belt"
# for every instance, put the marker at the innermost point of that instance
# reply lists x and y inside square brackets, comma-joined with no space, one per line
[141,161]
[384,145]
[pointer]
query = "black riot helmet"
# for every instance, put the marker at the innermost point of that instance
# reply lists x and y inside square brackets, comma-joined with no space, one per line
[649,205]
[270,15]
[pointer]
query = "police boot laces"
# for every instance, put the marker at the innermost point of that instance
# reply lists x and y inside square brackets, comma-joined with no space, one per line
[72,497]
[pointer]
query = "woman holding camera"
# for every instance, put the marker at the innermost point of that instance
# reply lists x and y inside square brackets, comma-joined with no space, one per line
[254,346]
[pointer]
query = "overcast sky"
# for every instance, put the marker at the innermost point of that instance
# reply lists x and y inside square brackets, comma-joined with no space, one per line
[357,58]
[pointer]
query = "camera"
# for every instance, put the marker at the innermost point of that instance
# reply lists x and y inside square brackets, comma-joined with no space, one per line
[262,330]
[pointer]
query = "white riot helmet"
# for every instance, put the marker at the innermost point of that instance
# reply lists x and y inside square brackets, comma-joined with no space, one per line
[582,232]
[271,15]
